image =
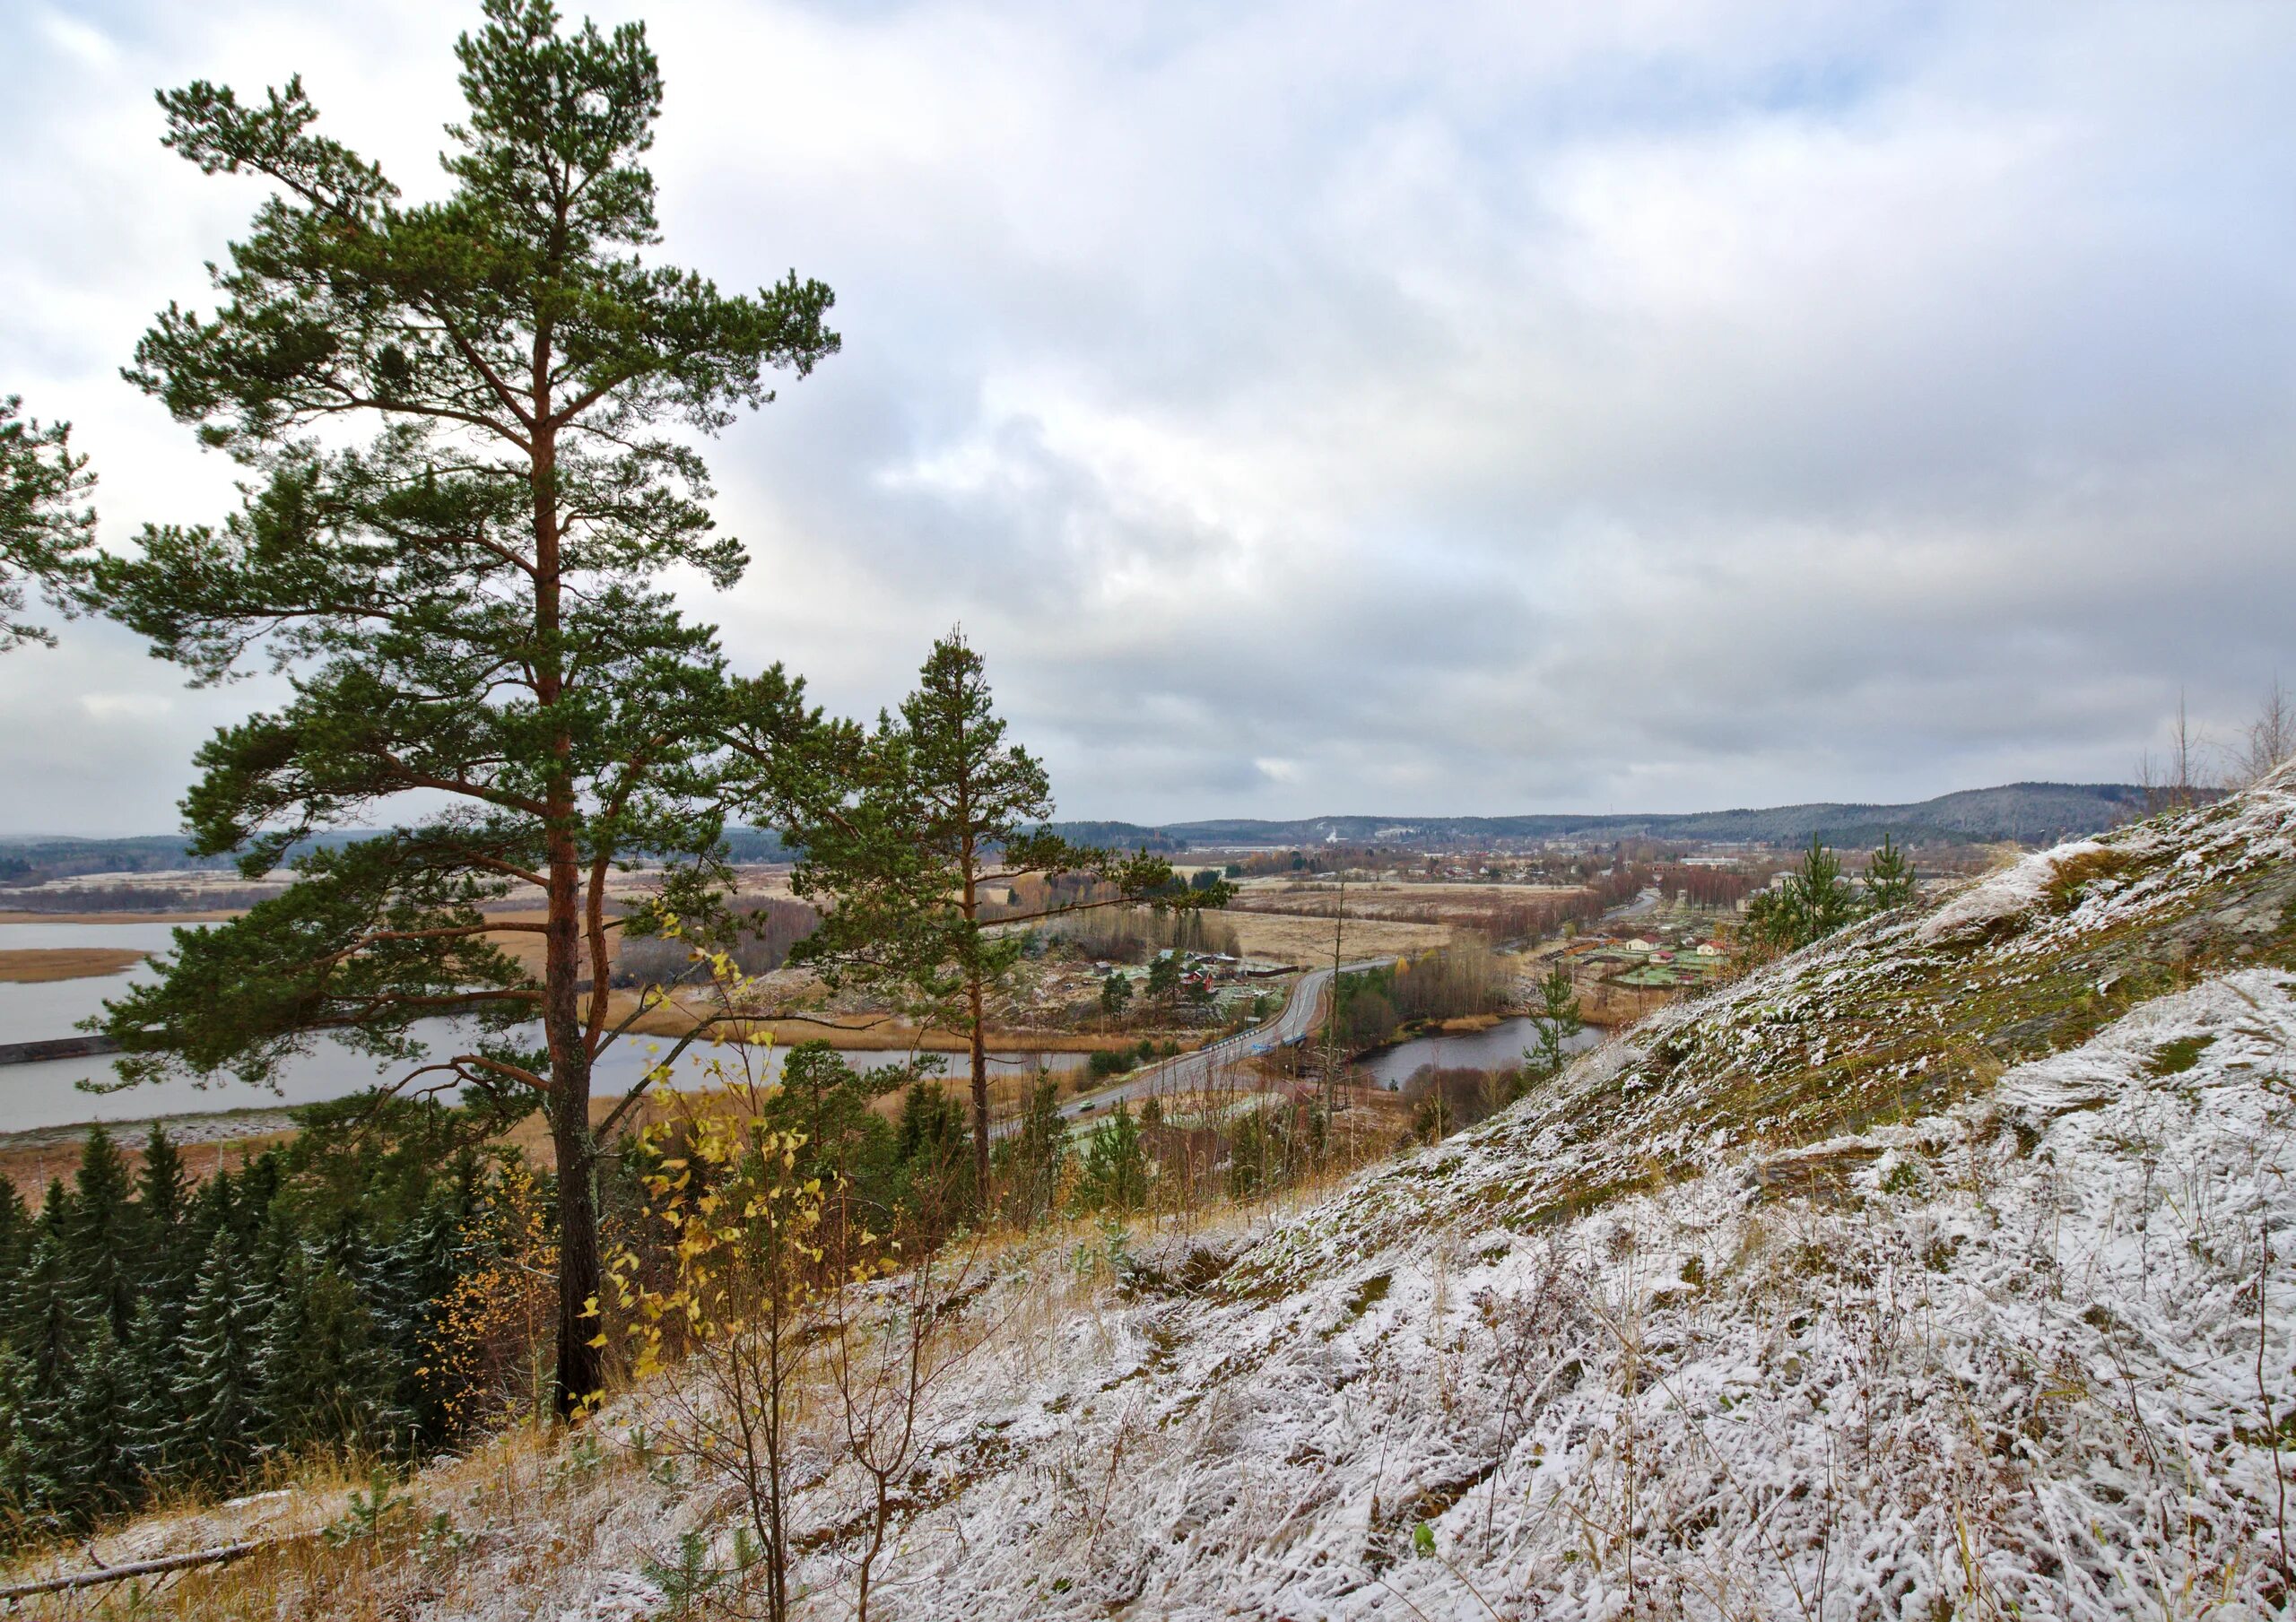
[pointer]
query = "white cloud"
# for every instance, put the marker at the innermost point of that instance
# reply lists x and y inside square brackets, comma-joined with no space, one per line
[1661,406]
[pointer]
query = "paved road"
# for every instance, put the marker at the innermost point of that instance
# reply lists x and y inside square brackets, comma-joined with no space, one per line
[1192,1070]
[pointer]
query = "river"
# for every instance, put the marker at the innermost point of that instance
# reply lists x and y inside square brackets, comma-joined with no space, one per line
[1494,1049]
[48,1093]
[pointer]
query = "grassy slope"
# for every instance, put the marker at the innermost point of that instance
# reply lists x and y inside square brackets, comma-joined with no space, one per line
[1941,1269]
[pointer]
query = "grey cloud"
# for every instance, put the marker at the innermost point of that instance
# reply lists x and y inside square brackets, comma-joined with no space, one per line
[1312,410]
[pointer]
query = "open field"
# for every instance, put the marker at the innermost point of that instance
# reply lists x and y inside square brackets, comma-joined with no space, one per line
[1308,940]
[34,965]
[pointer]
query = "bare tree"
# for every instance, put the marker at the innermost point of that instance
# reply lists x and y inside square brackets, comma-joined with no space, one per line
[2185,747]
[2272,735]
[889,1347]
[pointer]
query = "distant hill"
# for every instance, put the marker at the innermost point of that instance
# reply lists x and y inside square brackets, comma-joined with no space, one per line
[2030,813]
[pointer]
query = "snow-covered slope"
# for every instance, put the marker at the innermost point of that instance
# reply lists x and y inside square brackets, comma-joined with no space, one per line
[1918,1275]
[1948,1268]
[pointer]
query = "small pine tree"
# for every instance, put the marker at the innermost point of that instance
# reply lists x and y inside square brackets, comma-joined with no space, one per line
[1116,994]
[1115,1175]
[1889,879]
[1030,1161]
[1556,1020]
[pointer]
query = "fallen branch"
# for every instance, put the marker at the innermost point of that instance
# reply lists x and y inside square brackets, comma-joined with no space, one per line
[147,1568]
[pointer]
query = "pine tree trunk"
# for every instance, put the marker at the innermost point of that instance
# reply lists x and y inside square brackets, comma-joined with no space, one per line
[579,1367]
[979,1098]
[581,1371]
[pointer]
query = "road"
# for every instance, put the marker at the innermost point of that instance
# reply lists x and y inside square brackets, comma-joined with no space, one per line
[1191,1071]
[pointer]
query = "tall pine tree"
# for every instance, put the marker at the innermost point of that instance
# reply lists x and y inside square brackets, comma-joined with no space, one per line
[910,837]
[461,509]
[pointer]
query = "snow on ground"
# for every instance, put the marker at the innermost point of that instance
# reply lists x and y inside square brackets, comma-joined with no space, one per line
[1928,1272]
[2010,1361]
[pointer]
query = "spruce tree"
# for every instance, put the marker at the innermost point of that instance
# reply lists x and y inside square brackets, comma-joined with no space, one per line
[103,1243]
[166,1262]
[17,1461]
[936,1160]
[320,1378]
[16,1237]
[49,1324]
[461,508]
[1032,1157]
[97,1466]
[215,1395]
[154,1360]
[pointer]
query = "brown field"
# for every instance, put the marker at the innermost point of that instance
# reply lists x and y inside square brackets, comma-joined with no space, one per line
[36,964]
[861,1033]
[1308,940]
[31,1159]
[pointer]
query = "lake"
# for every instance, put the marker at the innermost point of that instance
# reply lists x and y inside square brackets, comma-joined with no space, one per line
[48,1093]
[1494,1049]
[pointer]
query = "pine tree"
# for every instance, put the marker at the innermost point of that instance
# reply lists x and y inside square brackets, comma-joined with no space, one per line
[467,426]
[911,832]
[45,533]
[1115,1175]
[1556,1020]
[215,1398]
[1889,879]
[1031,1157]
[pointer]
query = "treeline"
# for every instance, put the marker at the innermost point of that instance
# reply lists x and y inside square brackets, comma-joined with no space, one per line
[131,899]
[766,928]
[157,1335]
[1134,934]
[1713,888]
[1371,1004]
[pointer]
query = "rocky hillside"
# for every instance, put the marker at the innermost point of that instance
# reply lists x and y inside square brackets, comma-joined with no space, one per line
[1946,1269]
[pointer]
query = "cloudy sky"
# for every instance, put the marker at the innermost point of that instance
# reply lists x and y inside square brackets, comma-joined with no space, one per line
[1330,407]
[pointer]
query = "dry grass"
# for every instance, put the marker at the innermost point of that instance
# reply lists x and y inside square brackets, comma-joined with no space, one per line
[1294,938]
[35,965]
[31,1160]
[529,1514]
